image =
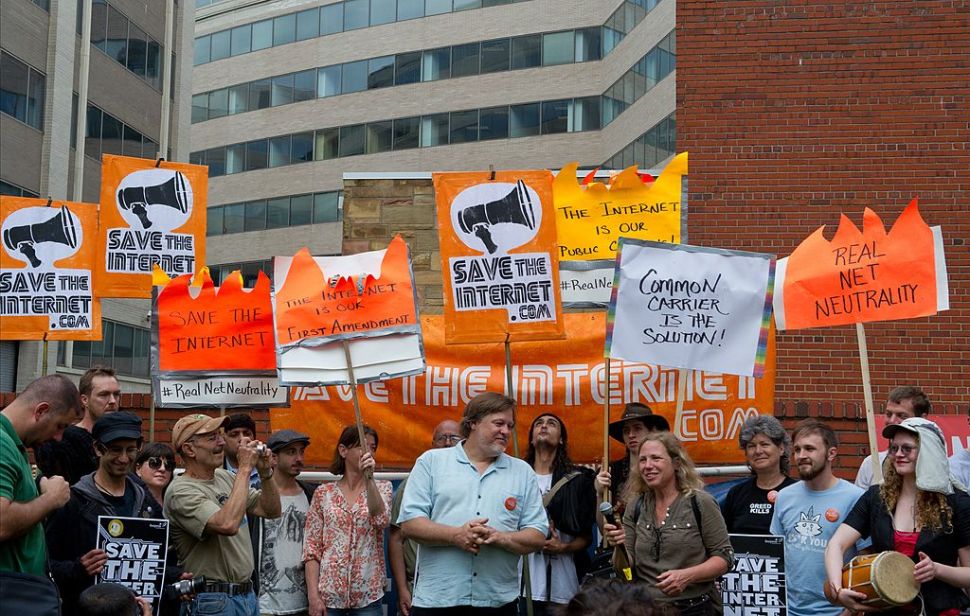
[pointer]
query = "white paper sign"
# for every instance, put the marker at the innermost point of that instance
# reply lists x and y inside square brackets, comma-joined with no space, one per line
[227,391]
[586,284]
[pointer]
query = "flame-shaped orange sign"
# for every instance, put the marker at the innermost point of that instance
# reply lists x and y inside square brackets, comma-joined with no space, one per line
[221,329]
[308,305]
[862,276]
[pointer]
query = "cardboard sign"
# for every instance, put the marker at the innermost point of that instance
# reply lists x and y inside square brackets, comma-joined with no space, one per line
[366,301]
[565,377]
[214,346]
[756,586]
[691,307]
[136,549]
[864,276]
[47,260]
[150,215]
[498,258]
[591,219]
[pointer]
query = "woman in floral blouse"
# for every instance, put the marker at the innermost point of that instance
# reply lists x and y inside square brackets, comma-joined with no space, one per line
[344,547]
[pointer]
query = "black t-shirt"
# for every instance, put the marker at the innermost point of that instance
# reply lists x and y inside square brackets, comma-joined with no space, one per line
[748,508]
[124,505]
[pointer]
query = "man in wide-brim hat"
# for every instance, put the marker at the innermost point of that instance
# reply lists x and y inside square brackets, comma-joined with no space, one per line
[637,420]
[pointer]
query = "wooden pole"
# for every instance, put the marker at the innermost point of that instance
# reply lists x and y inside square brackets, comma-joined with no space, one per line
[682,375]
[870,414]
[353,390]
[151,421]
[510,387]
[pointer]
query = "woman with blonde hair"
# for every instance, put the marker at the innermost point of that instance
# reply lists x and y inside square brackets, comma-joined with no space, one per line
[918,512]
[673,532]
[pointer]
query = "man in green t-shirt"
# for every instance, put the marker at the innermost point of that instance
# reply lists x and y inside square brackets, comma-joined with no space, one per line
[42,412]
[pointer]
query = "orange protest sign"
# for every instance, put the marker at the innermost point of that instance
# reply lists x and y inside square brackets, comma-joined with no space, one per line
[864,276]
[565,377]
[46,270]
[498,256]
[150,214]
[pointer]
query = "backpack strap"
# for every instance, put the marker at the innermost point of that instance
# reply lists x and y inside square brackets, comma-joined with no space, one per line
[559,484]
[697,513]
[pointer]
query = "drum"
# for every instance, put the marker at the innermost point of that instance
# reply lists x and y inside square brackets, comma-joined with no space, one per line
[886,579]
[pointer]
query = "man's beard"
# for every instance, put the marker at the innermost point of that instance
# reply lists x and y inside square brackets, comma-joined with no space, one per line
[811,473]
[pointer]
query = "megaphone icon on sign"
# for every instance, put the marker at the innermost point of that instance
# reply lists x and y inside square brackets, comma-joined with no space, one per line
[515,208]
[172,193]
[59,229]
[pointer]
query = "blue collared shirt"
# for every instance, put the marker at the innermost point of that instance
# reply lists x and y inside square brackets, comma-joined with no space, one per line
[446,488]
[254,481]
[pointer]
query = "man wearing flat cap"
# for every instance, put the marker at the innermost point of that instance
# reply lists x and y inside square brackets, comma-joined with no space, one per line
[207,508]
[278,543]
[636,422]
[108,491]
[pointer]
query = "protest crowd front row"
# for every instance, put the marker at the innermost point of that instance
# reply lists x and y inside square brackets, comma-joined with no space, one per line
[471,531]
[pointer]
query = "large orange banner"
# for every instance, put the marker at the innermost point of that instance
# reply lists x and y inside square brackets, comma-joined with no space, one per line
[498,256]
[151,213]
[47,263]
[565,377]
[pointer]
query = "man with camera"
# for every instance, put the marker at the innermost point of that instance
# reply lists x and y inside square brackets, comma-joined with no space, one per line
[207,508]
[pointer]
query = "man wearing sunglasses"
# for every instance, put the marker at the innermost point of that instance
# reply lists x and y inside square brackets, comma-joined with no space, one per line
[108,491]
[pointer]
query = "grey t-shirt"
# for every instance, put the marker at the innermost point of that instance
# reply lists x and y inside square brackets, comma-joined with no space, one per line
[282,583]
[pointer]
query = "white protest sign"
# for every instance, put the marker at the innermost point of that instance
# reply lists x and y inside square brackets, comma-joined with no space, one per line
[690,307]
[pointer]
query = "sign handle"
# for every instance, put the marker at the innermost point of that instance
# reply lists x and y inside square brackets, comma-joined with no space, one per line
[510,389]
[353,389]
[606,425]
[870,414]
[682,375]
[151,421]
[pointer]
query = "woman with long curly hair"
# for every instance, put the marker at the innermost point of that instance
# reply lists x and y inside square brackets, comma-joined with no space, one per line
[672,530]
[917,511]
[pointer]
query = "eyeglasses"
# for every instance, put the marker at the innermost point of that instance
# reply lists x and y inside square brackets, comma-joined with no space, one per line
[208,438]
[114,451]
[156,463]
[448,438]
[906,450]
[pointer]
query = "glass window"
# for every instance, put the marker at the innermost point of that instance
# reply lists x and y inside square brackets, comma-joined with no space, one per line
[328,81]
[139,360]
[585,114]
[326,207]
[153,68]
[14,77]
[487,3]
[149,149]
[282,90]
[380,72]
[235,158]
[277,213]
[260,94]
[379,137]
[555,117]
[220,45]
[354,77]
[239,99]
[301,210]
[527,51]
[255,215]
[196,158]
[218,103]
[351,140]
[305,85]
[132,142]
[123,349]
[464,60]
[301,147]
[407,68]
[137,50]
[436,64]
[234,218]
[558,48]
[110,134]
[256,154]
[464,126]
[588,44]
[406,132]
[92,140]
[434,130]
[279,151]
[464,5]
[284,29]
[250,273]
[216,159]
[241,40]
[436,7]
[524,120]
[332,18]
[327,144]
[213,221]
[494,123]
[116,43]
[409,9]
[355,14]
[35,100]
[99,25]
[382,12]
[495,55]
[307,24]
[262,34]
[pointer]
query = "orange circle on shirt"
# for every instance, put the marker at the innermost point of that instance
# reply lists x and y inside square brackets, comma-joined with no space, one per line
[831,515]
[510,503]
[772,496]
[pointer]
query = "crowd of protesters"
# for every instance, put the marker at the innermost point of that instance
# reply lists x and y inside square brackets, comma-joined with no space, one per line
[472,530]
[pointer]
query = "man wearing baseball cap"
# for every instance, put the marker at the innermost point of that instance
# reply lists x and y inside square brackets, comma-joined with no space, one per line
[108,491]
[637,420]
[278,543]
[207,508]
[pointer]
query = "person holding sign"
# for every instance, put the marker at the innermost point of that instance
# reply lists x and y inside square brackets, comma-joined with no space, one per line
[904,402]
[207,507]
[673,530]
[347,519]
[916,511]
[748,507]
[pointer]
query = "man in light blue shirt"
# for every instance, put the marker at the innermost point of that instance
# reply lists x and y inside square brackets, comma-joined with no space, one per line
[808,513]
[473,511]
